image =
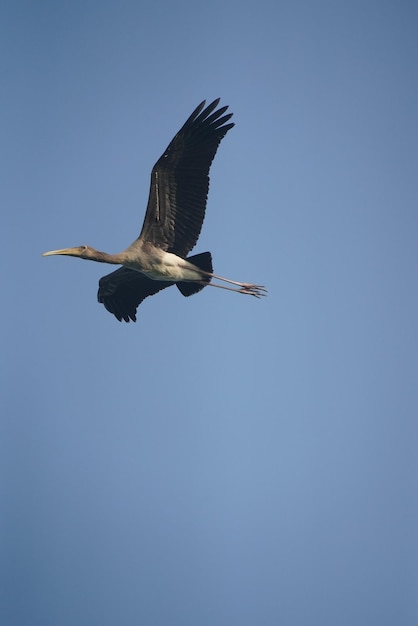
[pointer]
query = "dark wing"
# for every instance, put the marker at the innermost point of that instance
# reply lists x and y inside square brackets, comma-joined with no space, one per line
[180,181]
[122,292]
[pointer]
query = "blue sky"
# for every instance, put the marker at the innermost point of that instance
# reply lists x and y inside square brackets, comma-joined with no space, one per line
[224,461]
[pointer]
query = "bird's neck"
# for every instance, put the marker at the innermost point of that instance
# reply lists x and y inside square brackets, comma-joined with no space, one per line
[104,257]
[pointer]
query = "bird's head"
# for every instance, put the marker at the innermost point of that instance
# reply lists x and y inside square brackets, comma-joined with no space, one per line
[83,252]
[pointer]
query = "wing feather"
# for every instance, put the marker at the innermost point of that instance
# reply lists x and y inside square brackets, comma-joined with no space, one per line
[180,181]
[122,292]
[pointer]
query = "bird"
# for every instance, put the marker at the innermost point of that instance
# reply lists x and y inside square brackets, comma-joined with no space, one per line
[176,207]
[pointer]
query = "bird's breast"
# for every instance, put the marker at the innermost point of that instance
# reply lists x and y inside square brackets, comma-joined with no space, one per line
[165,266]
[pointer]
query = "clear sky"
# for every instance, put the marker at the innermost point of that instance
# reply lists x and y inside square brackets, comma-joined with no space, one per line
[226,461]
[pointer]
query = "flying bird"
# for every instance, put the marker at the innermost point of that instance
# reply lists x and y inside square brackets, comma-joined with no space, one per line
[173,220]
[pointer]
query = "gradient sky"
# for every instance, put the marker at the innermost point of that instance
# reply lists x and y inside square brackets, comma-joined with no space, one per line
[225,461]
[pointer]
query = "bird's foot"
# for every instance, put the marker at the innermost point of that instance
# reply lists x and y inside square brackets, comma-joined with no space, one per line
[257,291]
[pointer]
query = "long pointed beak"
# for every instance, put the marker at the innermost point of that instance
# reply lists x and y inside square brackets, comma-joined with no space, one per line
[68,251]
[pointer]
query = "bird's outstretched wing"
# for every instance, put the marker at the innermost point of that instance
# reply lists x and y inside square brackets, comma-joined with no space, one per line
[122,292]
[180,181]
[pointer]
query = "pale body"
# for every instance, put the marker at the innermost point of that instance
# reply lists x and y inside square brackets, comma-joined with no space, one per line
[160,265]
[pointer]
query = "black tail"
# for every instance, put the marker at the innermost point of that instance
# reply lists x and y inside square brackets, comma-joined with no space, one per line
[204,262]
